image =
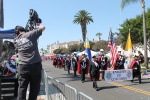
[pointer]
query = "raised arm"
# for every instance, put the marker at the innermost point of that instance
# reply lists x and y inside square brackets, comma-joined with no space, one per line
[42,27]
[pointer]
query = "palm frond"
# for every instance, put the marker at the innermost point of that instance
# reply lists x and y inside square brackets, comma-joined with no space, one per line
[82,16]
[127,2]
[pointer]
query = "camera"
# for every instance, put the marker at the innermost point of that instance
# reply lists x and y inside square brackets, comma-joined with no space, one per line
[33,21]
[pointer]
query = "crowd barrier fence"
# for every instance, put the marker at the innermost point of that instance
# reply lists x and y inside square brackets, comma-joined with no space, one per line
[61,91]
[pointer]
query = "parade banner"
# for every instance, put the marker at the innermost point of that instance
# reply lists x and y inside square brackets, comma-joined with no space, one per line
[118,75]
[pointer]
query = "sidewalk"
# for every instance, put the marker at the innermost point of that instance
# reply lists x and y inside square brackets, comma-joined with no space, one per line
[42,95]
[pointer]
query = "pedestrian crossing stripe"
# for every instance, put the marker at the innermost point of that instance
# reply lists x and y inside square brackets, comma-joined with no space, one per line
[131,88]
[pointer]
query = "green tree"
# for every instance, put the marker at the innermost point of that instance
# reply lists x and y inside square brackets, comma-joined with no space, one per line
[57,51]
[83,18]
[126,2]
[136,30]
[91,44]
[135,27]
[117,41]
[42,51]
[81,47]
[99,35]
[45,52]
[65,51]
[102,44]
[73,48]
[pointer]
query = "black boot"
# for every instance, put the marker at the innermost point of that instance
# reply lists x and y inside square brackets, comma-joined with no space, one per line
[97,89]
[93,85]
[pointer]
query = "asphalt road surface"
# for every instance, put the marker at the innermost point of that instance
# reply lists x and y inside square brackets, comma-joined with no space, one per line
[107,91]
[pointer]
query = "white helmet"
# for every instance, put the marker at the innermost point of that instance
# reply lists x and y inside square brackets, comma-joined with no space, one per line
[136,54]
[119,49]
[101,50]
[84,53]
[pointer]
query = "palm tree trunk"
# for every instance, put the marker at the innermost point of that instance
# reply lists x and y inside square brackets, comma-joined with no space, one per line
[1,22]
[84,31]
[144,34]
[98,38]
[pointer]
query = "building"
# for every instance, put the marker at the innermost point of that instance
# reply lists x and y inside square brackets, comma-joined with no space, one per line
[55,46]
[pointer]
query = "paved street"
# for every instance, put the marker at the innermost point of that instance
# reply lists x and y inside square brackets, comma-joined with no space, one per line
[108,91]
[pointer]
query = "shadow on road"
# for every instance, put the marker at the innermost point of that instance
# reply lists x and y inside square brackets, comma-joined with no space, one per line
[107,87]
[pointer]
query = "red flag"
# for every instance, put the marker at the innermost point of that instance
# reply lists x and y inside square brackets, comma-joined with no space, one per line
[113,51]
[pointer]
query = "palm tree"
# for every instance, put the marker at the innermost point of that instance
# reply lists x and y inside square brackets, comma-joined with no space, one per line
[83,18]
[42,51]
[126,2]
[1,21]
[99,35]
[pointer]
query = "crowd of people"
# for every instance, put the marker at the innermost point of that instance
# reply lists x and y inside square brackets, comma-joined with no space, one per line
[82,65]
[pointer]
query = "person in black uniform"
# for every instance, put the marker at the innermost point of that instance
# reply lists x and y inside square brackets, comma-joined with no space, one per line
[75,63]
[59,62]
[141,57]
[94,71]
[103,65]
[135,65]
[68,64]
[120,60]
[83,67]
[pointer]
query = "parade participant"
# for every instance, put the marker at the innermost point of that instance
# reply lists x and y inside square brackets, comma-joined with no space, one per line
[79,66]
[94,71]
[135,65]
[83,67]
[75,63]
[87,64]
[102,60]
[120,60]
[63,62]
[54,61]
[141,57]
[59,62]
[30,66]
[68,64]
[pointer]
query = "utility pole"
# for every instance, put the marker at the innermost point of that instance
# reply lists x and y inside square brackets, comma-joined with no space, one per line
[1,41]
[1,22]
[144,34]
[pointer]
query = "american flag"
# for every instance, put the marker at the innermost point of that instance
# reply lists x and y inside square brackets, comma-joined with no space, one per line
[113,50]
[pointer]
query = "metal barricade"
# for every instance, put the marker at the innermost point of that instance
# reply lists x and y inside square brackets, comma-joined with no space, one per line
[61,87]
[42,77]
[82,96]
[45,83]
[58,89]
[46,86]
[61,91]
[52,87]
[70,93]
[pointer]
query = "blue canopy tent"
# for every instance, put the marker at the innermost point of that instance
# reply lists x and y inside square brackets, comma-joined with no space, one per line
[7,33]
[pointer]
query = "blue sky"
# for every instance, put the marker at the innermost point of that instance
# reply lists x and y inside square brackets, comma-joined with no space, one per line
[57,16]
